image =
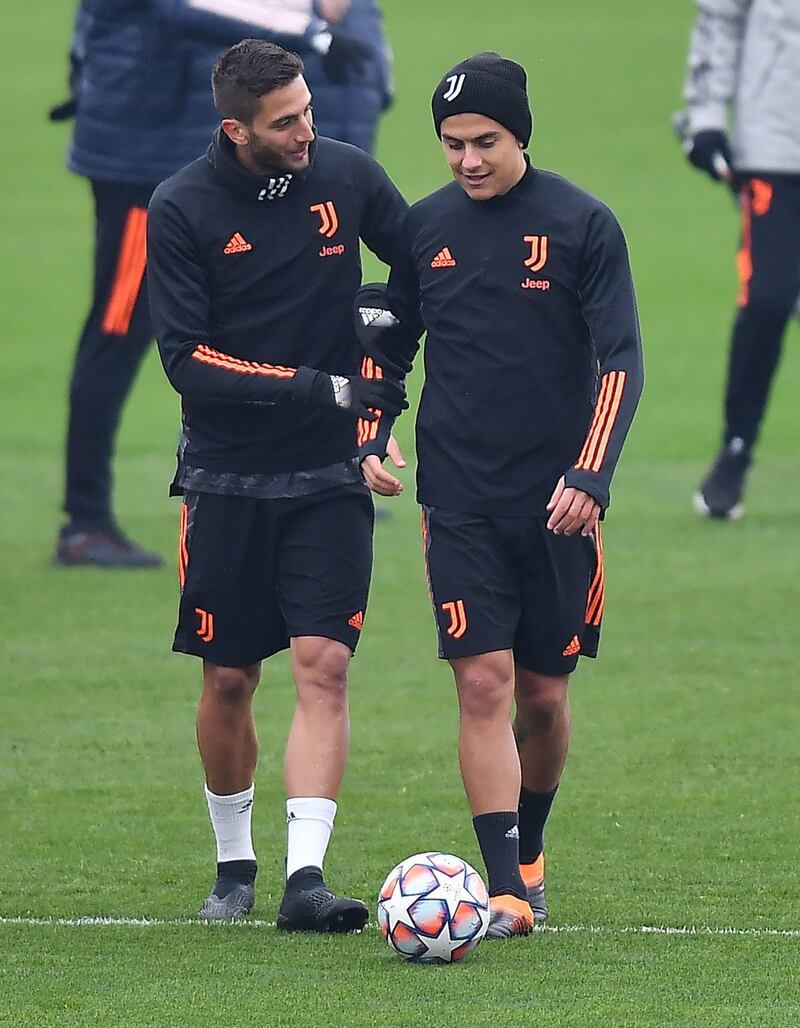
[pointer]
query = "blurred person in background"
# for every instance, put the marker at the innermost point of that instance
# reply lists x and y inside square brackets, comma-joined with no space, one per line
[744,62]
[351,110]
[139,74]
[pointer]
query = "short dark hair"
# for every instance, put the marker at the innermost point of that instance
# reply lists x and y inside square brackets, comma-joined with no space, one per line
[248,71]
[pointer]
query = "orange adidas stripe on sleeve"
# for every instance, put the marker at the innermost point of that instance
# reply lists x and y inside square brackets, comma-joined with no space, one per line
[367,431]
[207,355]
[608,404]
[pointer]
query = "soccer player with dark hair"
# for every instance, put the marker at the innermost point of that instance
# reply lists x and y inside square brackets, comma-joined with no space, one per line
[533,370]
[253,264]
[139,74]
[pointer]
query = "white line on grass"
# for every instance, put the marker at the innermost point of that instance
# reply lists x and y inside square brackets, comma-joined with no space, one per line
[559,929]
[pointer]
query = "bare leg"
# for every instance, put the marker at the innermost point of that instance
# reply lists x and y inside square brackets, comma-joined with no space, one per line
[316,753]
[542,728]
[316,750]
[487,753]
[226,732]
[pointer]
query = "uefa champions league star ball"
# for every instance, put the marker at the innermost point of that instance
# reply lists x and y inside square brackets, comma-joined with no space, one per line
[433,908]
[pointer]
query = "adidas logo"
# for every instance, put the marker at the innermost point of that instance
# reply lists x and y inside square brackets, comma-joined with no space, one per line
[237,244]
[513,832]
[573,647]
[357,620]
[443,259]
[377,316]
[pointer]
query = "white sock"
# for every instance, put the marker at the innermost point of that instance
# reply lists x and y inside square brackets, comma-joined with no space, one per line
[230,819]
[310,821]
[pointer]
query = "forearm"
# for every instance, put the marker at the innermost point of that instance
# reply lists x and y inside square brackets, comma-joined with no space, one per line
[373,436]
[617,400]
[199,371]
[713,64]
[210,19]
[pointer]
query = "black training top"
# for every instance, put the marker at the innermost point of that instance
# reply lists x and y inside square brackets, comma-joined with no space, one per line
[251,281]
[533,356]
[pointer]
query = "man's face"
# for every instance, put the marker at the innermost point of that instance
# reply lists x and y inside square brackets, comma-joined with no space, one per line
[280,133]
[485,158]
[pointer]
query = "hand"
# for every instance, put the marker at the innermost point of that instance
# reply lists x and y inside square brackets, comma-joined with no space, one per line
[365,397]
[572,510]
[64,111]
[380,333]
[345,57]
[395,366]
[333,10]
[710,151]
[377,477]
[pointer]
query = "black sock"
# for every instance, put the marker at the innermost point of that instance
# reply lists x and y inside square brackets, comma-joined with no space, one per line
[534,808]
[243,871]
[305,878]
[498,838]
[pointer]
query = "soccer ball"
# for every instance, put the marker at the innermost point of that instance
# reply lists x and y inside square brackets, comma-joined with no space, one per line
[433,908]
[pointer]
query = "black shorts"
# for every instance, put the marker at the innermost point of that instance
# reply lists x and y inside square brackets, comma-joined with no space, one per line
[509,583]
[255,572]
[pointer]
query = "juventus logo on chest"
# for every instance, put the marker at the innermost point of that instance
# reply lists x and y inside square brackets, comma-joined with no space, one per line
[538,256]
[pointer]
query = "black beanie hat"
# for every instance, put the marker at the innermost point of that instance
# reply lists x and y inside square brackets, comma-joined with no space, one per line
[485,84]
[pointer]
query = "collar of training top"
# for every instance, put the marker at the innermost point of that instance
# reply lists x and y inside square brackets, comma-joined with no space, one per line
[270,186]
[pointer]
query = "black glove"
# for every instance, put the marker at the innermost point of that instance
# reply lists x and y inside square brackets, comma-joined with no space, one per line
[710,151]
[363,397]
[369,395]
[381,335]
[64,111]
[345,58]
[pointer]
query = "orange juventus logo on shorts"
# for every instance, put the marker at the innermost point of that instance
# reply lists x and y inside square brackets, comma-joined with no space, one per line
[206,629]
[458,618]
[538,257]
[329,219]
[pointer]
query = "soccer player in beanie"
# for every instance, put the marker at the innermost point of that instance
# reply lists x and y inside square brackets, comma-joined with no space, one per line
[253,264]
[533,372]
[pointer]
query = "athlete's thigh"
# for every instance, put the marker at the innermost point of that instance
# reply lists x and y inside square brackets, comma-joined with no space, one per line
[769,260]
[325,563]
[473,581]
[229,612]
[558,576]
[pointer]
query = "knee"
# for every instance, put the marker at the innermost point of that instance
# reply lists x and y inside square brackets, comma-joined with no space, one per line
[770,303]
[321,671]
[541,703]
[485,689]
[232,684]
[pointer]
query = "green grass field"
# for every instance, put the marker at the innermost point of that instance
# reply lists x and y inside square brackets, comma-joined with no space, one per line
[679,805]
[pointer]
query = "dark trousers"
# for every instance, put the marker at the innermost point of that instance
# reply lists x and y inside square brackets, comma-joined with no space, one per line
[769,277]
[114,340]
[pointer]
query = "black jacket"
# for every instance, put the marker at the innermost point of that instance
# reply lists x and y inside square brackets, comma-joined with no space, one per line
[533,361]
[251,283]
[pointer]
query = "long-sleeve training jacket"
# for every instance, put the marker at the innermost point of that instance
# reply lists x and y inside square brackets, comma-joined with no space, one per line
[251,281]
[533,360]
[350,111]
[744,56]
